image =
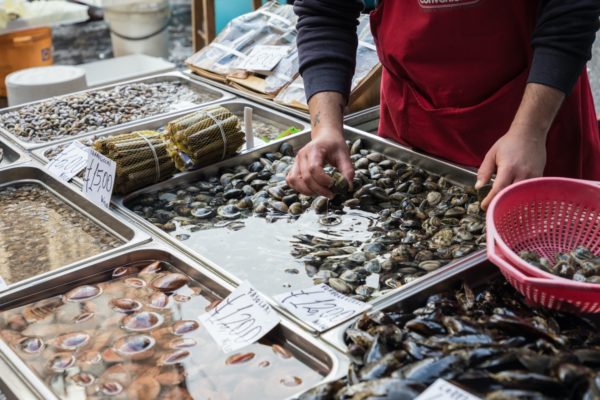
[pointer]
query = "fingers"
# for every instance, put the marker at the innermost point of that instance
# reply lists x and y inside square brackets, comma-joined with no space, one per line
[487,168]
[307,175]
[504,177]
[342,162]
[294,179]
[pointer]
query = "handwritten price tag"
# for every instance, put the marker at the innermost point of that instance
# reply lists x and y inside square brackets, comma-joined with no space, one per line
[240,319]
[444,390]
[99,178]
[265,58]
[320,306]
[69,162]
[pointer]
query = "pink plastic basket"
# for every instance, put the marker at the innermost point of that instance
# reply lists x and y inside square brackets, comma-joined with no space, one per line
[548,216]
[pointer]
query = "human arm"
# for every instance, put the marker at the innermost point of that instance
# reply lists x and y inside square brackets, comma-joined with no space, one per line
[562,42]
[327,49]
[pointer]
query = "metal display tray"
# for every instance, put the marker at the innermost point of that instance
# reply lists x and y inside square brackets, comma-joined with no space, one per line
[130,235]
[367,120]
[451,172]
[472,274]
[11,155]
[235,106]
[171,76]
[311,351]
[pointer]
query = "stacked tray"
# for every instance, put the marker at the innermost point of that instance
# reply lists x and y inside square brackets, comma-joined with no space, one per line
[260,251]
[367,120]
[107,351]
[189,94]
[46,227]
[10,155]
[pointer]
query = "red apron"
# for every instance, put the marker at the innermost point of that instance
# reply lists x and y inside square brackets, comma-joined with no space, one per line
[454,75]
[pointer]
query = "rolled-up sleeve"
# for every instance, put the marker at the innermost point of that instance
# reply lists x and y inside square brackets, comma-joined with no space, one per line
[327,44]
[562,41]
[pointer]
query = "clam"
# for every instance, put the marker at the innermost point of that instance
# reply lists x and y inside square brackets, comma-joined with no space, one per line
[173,357]
[82,293]
[169,282]
[279,206]
[229,211]
[135,282]
[182,343]
[320,204]
[111,388]
[142,321]
[125,305]
[71,341]
[158,300]
[296,208]
[290,380]
[185,326]
[239,358]
[135,346]
[61,362]
[281,351]
[151,268]
[31,345]
[83,379]
[203,212]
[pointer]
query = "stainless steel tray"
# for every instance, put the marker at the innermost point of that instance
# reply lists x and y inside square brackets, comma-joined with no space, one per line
[450,172]
[171,76]
[236,107]
[129,234]
[311,351]
[11,156]
[473,274]
[367,120]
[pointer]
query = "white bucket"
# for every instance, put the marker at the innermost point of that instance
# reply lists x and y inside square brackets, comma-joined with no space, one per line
[139,28]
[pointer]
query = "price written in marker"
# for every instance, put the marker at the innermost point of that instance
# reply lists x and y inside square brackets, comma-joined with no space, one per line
[444,390]
[69,162]
[99,178]
[320,306]
[240,319]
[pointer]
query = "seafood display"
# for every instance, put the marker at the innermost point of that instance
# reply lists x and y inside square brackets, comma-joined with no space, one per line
[142,159]
[488,341]
[70,115]
[137,336]
[39,233]
[204,137]
[580,265]
[397,224]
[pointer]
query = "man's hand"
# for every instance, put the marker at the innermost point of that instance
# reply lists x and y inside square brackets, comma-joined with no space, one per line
[328,146]
[521,153]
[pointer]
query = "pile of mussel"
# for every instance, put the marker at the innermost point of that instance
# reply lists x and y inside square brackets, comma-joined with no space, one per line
[487,341]
[136,336]
[423,221]
[580,265]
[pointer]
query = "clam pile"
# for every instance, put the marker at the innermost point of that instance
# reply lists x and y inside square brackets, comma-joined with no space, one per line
[137,336]
[71,115]
[580,265]
[420,221]
[487,341]
[39,233]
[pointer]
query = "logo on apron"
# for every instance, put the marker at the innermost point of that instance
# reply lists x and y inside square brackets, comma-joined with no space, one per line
[446,3]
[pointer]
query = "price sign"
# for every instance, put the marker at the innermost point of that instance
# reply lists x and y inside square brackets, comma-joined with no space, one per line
[69,162]
[99,178]
[372,281]
[264,58]
[240,319]
[320,306]
[444,390]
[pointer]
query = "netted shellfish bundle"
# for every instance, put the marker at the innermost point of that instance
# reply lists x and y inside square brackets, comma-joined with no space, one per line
[204,137]
[142,159]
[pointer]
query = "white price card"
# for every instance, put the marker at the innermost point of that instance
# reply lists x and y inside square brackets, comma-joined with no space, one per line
[372,281]
[320,306]
[444,390]
[240,319]
[69,162]
[99,178]
[265,58]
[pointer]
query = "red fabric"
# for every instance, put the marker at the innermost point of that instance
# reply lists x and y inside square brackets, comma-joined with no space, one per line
[454,75]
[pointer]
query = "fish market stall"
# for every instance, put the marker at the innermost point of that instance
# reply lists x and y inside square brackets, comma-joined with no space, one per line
[67,117]
[395,228]
[126,327]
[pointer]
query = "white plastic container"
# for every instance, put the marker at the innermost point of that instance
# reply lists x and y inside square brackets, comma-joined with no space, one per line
[139,28]
[43,82]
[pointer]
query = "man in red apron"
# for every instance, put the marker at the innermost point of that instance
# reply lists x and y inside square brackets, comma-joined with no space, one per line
[495,84]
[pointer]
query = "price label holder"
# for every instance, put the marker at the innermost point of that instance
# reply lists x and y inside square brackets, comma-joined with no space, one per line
[69,162]
[444,390]
[320,306]
[263,58]
[242,318]
[99,178]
